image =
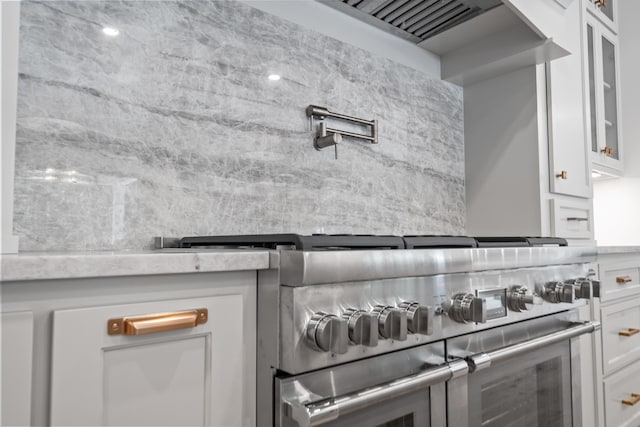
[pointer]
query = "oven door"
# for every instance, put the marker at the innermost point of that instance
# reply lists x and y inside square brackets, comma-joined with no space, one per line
[526,374]
[405,388]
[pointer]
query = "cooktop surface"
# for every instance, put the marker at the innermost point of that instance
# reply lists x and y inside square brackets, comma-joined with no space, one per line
[355,241]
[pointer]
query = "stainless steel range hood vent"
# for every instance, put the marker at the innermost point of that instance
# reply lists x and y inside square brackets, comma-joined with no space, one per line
[421,19]
[475,39]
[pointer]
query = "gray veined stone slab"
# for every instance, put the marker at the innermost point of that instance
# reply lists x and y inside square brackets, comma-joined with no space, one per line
[172,128]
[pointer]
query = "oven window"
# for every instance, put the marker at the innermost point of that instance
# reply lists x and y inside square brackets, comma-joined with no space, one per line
[532,391]
[408,410]
[406,421]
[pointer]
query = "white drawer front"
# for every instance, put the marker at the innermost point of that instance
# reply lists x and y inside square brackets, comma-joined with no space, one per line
[620,335]
[572,220]
[619,280]
[623,386]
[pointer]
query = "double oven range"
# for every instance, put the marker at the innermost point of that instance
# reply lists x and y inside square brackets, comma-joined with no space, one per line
[382,331]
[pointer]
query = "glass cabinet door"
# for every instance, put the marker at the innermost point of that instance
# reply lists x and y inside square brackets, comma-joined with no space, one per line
[605,11]
[593,111]
[606,7]
[610,98]
[603,89]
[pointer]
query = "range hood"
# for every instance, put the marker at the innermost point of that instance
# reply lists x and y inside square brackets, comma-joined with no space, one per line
[476,39]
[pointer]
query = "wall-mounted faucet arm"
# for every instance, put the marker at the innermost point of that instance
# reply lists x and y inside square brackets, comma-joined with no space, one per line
[328,137]
[322,113]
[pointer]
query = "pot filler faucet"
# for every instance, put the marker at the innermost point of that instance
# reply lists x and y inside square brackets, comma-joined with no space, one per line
[328,137]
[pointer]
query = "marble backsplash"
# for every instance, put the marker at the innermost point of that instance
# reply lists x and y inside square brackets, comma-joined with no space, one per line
[172,128]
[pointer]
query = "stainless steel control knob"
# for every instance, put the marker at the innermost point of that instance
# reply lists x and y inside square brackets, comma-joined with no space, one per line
[419,317]
[468,308]
[362,326]
[328,332]
[585,288]
[519,298]
[557,292]
[392,322]
[595,288]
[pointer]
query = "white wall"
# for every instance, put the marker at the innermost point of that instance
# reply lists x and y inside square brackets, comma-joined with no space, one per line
[328,21]
[9,19]
[616,203]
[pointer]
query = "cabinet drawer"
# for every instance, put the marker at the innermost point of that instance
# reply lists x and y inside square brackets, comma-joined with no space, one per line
[619,280]
[572,220]
[623,386]
[620,335]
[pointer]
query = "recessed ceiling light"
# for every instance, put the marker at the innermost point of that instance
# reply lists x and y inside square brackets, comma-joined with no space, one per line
[274,77]
[110,31]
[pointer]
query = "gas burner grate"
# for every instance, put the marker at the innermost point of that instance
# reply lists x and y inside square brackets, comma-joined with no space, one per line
[439,242]
[329,242]
[514,242]
[297,241]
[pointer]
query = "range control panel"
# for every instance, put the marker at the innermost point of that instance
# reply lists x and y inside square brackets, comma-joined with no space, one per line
[496,302]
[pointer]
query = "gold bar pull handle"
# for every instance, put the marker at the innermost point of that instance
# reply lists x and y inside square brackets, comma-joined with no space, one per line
[629,332]
[635,398]
[623,279]
[160,322]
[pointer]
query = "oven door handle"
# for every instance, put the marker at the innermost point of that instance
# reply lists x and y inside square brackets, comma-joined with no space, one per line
[309,414]
[481,361]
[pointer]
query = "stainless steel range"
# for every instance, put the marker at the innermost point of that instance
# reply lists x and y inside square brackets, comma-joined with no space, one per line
[418,330]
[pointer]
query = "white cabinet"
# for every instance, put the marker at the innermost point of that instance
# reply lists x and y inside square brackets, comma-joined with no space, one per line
[571,219]
[526,157]
[187,376]
[83,375]
[622,408]
[620,335]
[617,352]
[568,155]
[606,11]
[602,87]
[17,359]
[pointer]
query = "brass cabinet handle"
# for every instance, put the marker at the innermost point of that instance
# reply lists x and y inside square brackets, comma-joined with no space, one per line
[607,150]
[600,3]
[629,332]
[623,279]
[160,322]
[635,398]
[562,175]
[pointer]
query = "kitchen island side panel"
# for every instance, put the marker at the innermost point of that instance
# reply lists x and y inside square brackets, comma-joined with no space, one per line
[173,128]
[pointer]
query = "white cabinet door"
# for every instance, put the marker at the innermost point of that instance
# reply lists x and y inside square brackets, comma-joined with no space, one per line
[17,359]
[568,151]
[191,376]
[603,89]
[606,12]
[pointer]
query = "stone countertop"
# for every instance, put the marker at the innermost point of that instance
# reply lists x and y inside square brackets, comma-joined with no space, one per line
[627,250]
[71,265]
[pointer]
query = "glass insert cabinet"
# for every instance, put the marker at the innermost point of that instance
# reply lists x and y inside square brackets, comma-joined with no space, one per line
[605,11]
[603,88]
